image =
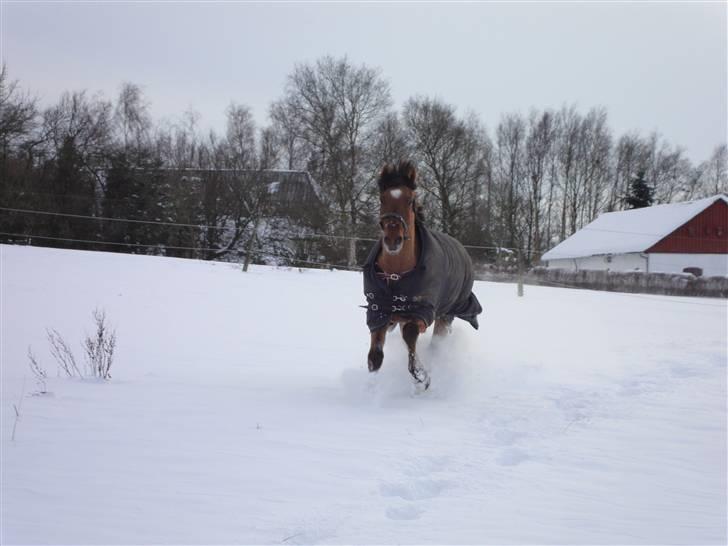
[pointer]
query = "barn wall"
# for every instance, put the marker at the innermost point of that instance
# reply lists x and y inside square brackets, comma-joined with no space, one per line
[617,262]
[567,265]
[711,264]
[706,233]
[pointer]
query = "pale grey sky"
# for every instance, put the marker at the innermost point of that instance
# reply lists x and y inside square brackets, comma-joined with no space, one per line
[655,66]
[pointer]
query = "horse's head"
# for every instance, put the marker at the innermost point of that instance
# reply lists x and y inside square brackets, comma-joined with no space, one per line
[397,212]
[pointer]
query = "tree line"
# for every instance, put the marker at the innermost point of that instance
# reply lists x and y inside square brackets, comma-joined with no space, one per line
[527,183]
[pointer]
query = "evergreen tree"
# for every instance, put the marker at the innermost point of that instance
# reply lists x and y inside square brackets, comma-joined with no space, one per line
[134,191]
[640,193]
[73,193]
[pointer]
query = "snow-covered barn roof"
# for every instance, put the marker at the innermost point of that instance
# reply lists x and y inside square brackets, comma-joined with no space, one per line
[630,230]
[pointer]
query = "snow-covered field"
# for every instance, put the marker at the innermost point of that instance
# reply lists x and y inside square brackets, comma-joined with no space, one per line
[241,411]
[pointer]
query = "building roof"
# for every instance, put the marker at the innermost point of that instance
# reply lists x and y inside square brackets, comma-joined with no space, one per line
[629,231]
[286,187]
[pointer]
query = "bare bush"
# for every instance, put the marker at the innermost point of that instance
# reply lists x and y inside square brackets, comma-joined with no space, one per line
[38,372]
[100,347]
[98,350]
[62,354]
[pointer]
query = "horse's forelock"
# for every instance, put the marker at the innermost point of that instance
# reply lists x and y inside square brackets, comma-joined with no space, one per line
[401,174]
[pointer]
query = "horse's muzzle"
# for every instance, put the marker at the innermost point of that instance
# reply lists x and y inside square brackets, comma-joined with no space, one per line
[392,245]
[389,220]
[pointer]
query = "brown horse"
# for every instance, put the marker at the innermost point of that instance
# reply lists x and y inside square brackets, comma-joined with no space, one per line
[413,275]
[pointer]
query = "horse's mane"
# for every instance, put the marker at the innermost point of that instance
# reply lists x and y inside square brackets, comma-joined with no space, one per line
[403,173]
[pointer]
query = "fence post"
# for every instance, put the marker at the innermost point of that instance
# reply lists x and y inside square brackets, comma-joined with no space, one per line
[249,246]
[520,273]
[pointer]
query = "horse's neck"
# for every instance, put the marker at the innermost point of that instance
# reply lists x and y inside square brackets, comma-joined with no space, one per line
[405,261]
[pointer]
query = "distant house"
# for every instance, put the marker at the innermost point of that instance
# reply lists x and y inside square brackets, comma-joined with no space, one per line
[292,193]
[675,238]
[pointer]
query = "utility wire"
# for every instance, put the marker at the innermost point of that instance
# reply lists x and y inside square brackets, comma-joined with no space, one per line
[314,235]
[202,226]
[107,219]
[64,196]
[154,222]
[100,242]
[205,249]
[332,236]
[201,249]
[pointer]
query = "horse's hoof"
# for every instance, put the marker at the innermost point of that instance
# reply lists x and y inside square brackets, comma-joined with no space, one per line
[376,356]
[421,387]
[422,378]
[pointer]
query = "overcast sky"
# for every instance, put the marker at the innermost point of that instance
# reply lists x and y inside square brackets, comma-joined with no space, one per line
[654,66]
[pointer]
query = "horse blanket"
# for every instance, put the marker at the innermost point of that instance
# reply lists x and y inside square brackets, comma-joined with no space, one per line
[440,285]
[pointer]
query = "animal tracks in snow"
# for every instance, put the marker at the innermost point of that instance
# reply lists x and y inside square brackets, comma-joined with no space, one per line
[507,434]
[414,490]
[512,456]
[421,482]
[425,465]
[404,512]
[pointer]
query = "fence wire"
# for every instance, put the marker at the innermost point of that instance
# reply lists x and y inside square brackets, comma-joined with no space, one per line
[498,249]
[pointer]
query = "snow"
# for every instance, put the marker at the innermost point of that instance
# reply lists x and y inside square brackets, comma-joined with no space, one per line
[630,230]
[240,411]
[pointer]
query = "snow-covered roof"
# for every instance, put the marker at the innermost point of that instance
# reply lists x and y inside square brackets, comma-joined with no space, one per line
[630,230]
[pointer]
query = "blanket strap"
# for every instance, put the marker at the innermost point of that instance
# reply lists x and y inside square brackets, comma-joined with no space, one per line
[392,276]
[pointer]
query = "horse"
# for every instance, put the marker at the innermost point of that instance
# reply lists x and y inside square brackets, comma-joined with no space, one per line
[414,275]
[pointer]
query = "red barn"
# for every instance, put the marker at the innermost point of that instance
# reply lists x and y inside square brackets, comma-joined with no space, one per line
[674,238]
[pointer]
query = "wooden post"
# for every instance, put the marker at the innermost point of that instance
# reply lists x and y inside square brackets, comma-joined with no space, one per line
[249,246]
[520,273]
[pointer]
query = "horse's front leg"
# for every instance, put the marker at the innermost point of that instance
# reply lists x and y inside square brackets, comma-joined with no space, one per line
[410,333]
[376,352]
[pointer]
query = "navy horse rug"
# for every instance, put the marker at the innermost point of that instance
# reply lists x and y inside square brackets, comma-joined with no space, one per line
[439,287]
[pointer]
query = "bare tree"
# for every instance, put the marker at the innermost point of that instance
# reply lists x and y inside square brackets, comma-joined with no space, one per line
[240,136]
[540,145]
[594,149]
[269,152]
[85,123]
[335,108]
[289,131]
[714,173]
[449,151]
[18,113]
[510,176]
[569,126]
[76,136]
[131,119]
[18,140]
[391,143]
[671,172]
[131,187]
